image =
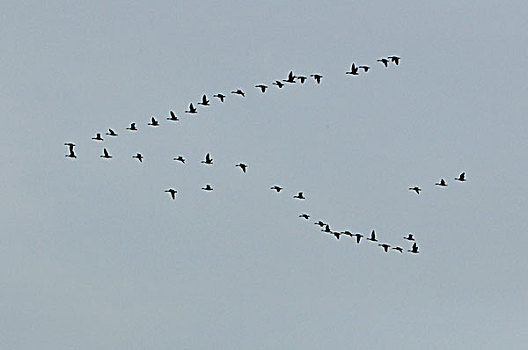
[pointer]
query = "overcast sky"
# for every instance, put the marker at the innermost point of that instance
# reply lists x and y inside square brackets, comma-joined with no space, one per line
[95,254]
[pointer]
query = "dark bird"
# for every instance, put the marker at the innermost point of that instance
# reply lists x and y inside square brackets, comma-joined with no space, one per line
[262,87]
[441,183]
[180,159]
[132,127]
[305,216]
[327,229]
[395,59]
[415,189]
[105,154]
[276,188]
[299,196]
[72,153]
[172,193]
[409,237]
[414,249]
[153,122]
[317,77]
[173,117]
[461,177]
[384,61]
[365,68]
[111,133]
[207,188]
[301,78]
[358,237]
[279,84]
[239,92]
[97,137]
[385,246]
[139,157]
[192,109]
[336,234]
[353,70]
[242,166]
[320,223]
[208,160]
[400,249]
[205,101]
[291,78]
[347,233]
[372,236]
[220,96]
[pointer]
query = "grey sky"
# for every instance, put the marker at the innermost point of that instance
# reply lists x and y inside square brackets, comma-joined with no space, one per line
[95,255]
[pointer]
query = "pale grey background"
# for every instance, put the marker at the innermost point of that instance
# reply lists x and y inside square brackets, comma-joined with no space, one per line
[94,254]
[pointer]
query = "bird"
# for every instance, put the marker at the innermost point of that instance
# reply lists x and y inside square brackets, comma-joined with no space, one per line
[173,117]
[353,70]
[299,196]
[205,101]
[347,233]
[326,228]
[139,157]
[365,68]
[242,166]
[180,159]
[414,249]
[291,78]
[400,249]
[153,122]
[409,237]
[72,153]
[220,96]
[372,236]
[279,84]
[301,78]
[172,193]
[111,133]
[276,188]
[385,246]
[395,59]
[441,183]
[384,61]
[336,234]
[262,87]
[320,223]
[461,177]
[192,109]
[358,237]
[305,216]
[415,189]
[239,92]
[207,188]
[132,127]
[317,77]
[97,137]
[105,154]
[208,160]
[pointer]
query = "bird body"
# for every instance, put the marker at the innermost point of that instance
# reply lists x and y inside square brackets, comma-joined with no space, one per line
[262,87]
[304,216]
[172,193]
[105,154]
[71,153]
[385,247]
[180,159]
[153,122]
[441,183]
[414,249]
[395,59]
[205,101]
[299,196]
[207,188]
[353,70]
[220,96]
[317,77]
[276,188]
[409,237]
[132,127]
[239,92]
[291,78]
[242,166]
[372,236]
[111,133]
[279,84]
[173,117]
[358,237]
[365,68]
[97,137]
[139,157]
[384,61]
[208,160]
[301,78]
[415,189]
[400,249]
[461,177]
[192,109]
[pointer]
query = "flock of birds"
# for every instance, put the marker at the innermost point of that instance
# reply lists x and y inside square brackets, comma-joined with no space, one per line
[208,160]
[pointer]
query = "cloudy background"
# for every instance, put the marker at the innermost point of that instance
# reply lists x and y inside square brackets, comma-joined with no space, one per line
[95,255]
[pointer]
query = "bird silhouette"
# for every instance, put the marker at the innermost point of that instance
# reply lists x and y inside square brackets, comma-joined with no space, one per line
[173,117]
[105,154]
[347,233]
[461,177]
[97,137]
[415,189]
[320,223]
[262,87]
[220,96]
[384,61]
[301,78]
[395,59]
[172,193]
[279,84]
[304,216]
[317,77]
[353,70]
[276,188]
[336,234]
[242,166]
[239,92]
[192,109]
[132,127]
[326,229]
[441,183]
[358,237]
[205,101]
[365,68]
[400,249]
[385,247]
[180,159]
[71,153]
[414,249]
[208,160]
[299,196]
[372,236]
[153,122]
[409,237]
[207,188]
[111,133]
[291,78]
[139,157]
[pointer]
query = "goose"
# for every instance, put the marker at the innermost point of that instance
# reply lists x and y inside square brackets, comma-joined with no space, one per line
[105,154]
[205,101]
[72,153]
[153,122]
[409,237]
[279,84]
[207,188]
[208,160]
[384,61]
[326,229]
[276,188]
[385,247]
[139,157]
[299,196]
[372,236]
[461,177]
[400,249]
[304,216]
[192,109]
[262,87]
[347,233]
[220,96]
[132,127]
[320,223]
[242,166]
[97,137]
[353,70]
[172,193]
[414,249]
[180,159]
[441,183]
[317,77]
[358,237]
[336,234]
[301,78]
[239,92]
[365,68]
[173,117]
[111,133]
[415,189]
[291,78]
[395,59]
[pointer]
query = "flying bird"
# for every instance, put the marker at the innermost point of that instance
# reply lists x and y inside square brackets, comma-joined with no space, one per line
[305,216]
[220,96]
[239,92]
[336,234]
[372,236]
[132,127]
[353,70]
[291,78]
[461,177]
[301,78]
[97,137]
[395,59]
[192,109]
[207,188]
[400,249]
[208,160]
[278,83]
[153,122]
[320,223]
[365,68]
[172,193]
[205,101]
[441,183]
[409,237]
[385,247]
[415,189]
[347,233]
[72,153]
[358,237]
[327,229]
[299,196]
[276,188]
[173,117]
[262,87]
[111,133]
[242,166]
[384,61]
[139,157]
[317,77]
[180,159]
[105,154]
[414,249]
